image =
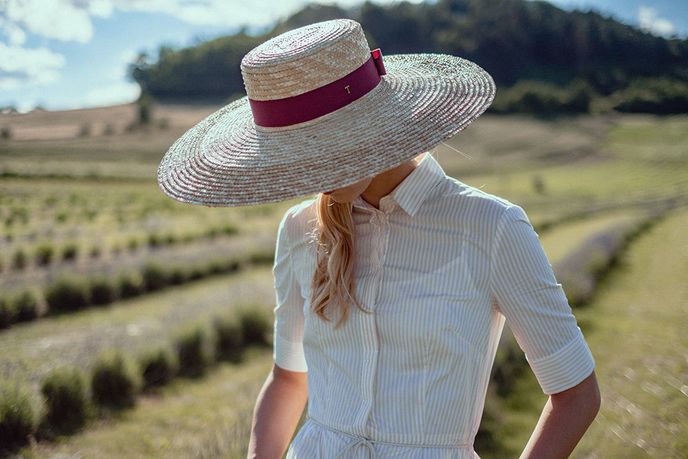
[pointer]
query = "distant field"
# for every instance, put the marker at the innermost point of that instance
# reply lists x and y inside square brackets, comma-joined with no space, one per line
[574,176]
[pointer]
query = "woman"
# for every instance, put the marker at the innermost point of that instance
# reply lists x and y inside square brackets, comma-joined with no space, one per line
[394,282]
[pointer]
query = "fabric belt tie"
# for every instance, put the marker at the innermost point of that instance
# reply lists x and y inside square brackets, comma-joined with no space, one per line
[359,441]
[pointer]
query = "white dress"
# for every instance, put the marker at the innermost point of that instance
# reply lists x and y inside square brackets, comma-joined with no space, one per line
[441,266]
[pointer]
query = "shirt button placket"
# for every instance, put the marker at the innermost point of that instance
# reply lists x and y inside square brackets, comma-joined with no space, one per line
[381,249]
[369,327]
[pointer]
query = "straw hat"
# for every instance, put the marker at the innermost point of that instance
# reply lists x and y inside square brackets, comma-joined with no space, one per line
[322,111]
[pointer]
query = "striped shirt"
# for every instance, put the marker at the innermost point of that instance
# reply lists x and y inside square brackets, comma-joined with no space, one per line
[441,266]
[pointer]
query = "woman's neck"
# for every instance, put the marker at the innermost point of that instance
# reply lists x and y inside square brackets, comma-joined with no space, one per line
[385,182]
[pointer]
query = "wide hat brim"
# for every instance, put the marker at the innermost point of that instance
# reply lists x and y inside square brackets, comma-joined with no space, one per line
[226,160]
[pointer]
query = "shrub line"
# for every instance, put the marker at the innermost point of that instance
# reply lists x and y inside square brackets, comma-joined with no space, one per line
[70,399]
[69,293]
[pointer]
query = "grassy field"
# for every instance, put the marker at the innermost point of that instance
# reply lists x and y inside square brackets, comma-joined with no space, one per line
[633,328]
[576,177]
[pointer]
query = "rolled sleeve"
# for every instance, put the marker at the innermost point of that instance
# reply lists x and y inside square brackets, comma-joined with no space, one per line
[535,306]
[289,320]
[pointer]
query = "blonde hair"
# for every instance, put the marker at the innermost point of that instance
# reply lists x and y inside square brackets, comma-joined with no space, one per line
[333,279]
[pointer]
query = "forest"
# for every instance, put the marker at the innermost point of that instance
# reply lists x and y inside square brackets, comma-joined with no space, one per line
[544,59]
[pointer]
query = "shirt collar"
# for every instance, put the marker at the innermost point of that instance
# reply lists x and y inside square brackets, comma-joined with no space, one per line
[413,190]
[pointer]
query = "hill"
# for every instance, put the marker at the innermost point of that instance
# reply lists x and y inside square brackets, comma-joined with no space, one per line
[517,41]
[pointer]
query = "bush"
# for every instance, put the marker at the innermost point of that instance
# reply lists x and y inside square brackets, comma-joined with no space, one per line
[155,276]
[163,123]
[94,252]
[145,103]
[255,324]
[115,381]
[230,338]
[5,133]
[261,257]
[19,259]
[7,313]
[68,293]
[509,364]
[18,416]
[132,244]
[25,306]
[158,367]
[44,254]
[229,229]
[85,130]
[195,350]
[652,95]
[70,251]
[109,129]
[66,399]
[61,216]
[154,240]
[197,272]
[178,275]
[103,290]
[216,266]
[544,98]
[539,184]
[130,284]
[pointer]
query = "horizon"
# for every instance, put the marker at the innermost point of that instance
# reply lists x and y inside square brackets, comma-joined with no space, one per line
[76,57]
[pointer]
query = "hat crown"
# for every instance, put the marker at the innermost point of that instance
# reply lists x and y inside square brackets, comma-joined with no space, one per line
[304,59]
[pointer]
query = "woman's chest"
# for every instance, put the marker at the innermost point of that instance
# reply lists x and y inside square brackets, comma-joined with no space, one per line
[422,287]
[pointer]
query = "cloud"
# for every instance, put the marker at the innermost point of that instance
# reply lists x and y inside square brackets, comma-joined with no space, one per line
[649,21]
[56,19]
[219,12]
[22,66]
[108,94]
[70,20]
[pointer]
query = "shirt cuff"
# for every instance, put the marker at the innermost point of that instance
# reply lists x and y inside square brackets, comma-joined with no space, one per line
[289,355]
[565,368]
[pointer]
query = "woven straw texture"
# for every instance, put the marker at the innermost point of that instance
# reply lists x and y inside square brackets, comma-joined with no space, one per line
[302,59]
[226,160]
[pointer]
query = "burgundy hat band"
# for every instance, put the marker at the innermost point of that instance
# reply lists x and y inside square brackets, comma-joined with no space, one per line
[322,100]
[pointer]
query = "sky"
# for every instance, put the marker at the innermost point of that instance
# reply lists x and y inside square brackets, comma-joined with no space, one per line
[66,54]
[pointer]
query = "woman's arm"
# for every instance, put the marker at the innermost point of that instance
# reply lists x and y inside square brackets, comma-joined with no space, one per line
[565,418]
[278,409]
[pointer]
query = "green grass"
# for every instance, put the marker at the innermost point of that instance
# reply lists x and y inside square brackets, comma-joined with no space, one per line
[640,138]
[633,158]
[643,376]
[633,328]
[585,183]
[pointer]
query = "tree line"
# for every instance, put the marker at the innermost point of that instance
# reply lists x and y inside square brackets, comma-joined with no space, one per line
[543,58]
